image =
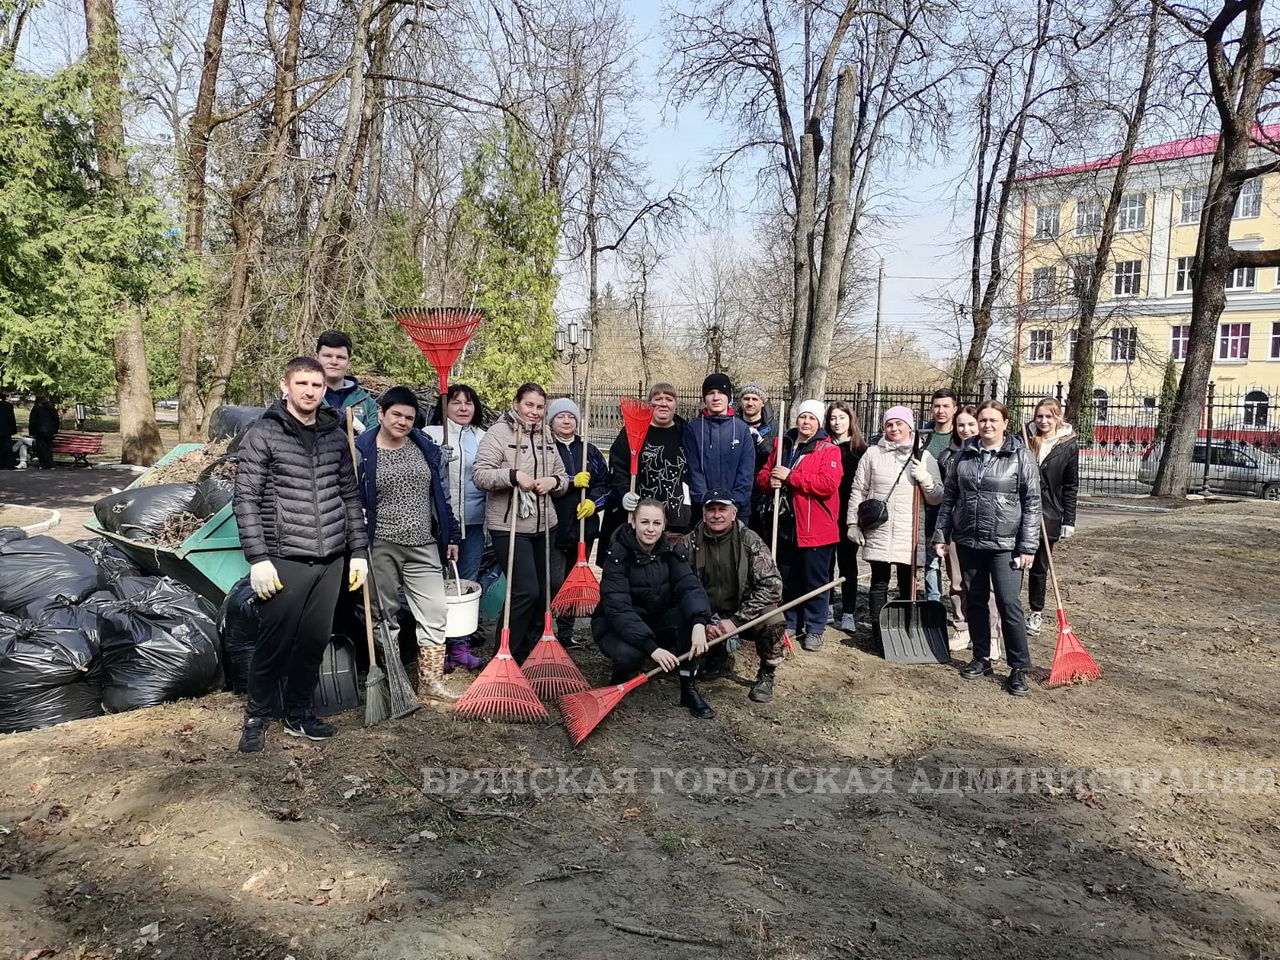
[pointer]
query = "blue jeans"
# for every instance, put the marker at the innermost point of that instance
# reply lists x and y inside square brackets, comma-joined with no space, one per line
[933,579]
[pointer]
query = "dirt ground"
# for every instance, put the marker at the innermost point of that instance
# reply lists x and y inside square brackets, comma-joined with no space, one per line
[146,835]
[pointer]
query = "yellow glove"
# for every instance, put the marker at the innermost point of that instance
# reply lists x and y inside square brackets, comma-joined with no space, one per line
[359,568]
[587,508]
[582,480]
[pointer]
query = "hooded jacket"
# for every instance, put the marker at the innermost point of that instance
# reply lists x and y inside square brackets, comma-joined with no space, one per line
[638,589]
[877,472]
[296,499]
[766,432]
[465,442]
[508,446]
[567,499]
[1059,457]
[813,486]
[444,524]
[992,499]
[352,395]
[722,456]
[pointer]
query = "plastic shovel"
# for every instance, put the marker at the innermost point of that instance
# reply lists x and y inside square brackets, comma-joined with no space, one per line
[915,631]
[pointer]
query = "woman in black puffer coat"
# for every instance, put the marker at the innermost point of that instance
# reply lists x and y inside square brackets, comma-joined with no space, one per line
[652,605]
[1055,448]
[991,512]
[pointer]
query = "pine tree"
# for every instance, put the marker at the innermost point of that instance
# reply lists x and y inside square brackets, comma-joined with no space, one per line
[1168,394]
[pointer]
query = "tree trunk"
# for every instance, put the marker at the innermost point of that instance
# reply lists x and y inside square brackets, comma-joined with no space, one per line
[139,434]
[802,260]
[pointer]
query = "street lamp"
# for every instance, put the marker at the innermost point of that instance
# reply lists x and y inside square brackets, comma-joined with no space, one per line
[574,342]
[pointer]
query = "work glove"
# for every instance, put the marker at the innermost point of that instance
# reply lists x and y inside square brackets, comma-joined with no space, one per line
[447,453]
[587,508]
[856,535]
[920,474]
[357,425]
[264,580]
[1068,531]
[630,501]
[358,571]
[582,480]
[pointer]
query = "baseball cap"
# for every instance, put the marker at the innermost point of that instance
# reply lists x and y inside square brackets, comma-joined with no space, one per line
[719,496]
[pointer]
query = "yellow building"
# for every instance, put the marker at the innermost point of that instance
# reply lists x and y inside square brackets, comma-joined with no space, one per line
[1145,304]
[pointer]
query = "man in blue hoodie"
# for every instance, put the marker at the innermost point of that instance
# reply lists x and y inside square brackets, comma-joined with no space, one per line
[333,350]
[720,449]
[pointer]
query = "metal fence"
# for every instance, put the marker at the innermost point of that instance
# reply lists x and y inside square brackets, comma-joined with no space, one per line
[1118,449]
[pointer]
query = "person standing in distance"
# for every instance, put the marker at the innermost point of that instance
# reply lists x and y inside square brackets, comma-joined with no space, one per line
[8,430]
[298,511]
[333,350]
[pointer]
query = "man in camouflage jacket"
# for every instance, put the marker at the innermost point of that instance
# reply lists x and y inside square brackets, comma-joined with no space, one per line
[743,582]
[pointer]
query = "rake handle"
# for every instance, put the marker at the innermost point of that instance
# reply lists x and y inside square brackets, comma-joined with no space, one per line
[368,611]
[777,458]
[749,625]
[1044,536]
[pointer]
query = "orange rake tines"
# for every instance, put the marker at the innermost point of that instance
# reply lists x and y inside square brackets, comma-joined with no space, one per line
[1071,662]
[549,668]
[501,692]
[636,415]
[440,333]
[580,592]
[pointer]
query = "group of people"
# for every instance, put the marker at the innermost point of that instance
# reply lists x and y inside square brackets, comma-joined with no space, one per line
[42,426]
[691,567]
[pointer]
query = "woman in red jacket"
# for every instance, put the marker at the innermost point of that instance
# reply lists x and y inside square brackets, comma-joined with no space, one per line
[808,474]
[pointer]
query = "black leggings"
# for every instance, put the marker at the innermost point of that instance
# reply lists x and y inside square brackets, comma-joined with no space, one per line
[878,594]
[1039,577]
[527,586]
[846,557]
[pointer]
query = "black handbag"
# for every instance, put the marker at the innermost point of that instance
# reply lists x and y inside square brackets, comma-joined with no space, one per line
[874,513]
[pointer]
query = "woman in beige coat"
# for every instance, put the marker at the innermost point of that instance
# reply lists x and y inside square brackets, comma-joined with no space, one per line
[518,468]
[889,473]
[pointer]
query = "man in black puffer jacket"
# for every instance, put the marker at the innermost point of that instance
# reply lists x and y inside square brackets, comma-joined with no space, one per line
[298,510]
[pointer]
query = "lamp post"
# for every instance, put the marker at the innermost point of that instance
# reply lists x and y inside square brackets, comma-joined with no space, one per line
[574,342]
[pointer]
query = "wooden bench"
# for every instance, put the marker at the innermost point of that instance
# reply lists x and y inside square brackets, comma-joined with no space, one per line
[78,445]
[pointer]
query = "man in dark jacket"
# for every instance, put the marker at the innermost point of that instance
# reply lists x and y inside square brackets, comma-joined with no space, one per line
[757,413]
[720,449]
[298,511]
[8,430]
[742,582]
[43,424]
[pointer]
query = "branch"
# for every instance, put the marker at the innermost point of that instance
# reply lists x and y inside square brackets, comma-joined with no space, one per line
[1254,258]
[667,203]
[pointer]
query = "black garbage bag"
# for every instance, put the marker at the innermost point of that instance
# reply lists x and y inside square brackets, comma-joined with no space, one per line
[46,676]
[238,630]
[231,421]
[84,616]
[212,494]
[158,645]
[9,534]
[140,514]
[113,563]
[41,567]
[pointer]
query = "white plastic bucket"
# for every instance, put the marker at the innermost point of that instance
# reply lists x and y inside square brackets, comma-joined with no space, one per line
[463,600]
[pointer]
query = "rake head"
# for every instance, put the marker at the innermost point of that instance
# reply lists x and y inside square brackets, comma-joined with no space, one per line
[549,668]
[501,692]
[580,592]
[582,712]
[441,333]
[1071,662]
[636,415]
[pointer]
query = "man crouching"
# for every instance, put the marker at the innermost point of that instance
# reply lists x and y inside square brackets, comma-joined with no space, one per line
[742,581]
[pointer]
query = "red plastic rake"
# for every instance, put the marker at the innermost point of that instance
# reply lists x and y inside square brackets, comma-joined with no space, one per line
[582,712]
[580,592]
[637,414]
[441,333]
[1071,662]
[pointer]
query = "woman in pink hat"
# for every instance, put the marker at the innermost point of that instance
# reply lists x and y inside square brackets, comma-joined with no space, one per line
[882,506]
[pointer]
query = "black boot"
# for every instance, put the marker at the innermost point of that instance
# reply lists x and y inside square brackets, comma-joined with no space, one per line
[762,691]
[620,675]
[691,698]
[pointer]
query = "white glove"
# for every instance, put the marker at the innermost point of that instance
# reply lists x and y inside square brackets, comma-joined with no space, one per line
[630,501]
[920,474]
[856,535]
[264,580]
[1068,532]
[447,453]
[357,571]
[357,425]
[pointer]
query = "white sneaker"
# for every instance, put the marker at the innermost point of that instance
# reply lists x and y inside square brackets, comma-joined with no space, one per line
[848,624]
[1034,622]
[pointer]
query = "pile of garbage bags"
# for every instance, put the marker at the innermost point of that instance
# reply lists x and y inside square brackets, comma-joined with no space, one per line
[81,632]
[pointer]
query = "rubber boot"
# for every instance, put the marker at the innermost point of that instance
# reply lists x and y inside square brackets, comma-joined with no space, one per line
[691,698]
[762,691]
[458,656]
[431,674]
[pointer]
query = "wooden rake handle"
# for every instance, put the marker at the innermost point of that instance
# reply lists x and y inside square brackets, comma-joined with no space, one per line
[368,610]
[751,624]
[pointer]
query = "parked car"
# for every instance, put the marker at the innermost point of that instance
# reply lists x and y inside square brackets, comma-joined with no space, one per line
[170,404]
[1234,468]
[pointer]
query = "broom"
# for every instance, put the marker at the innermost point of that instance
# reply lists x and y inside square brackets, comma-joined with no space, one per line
[787,646]
[582,712]
[386,694]
[501,691]
[549,668]
[580,592]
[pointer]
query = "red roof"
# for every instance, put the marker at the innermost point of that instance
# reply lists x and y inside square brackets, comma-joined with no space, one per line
[1173,150]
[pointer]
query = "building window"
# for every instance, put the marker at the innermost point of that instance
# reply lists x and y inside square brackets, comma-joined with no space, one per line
[1256,408]
[1275,341]
[1193,199]
[1100,405]
[1249,203]
[1233,341]
[1088,217]
[1047,221]
[1242,278]
[1124,344]
[1072,336]
[1185,277]
[1044,283]
[1040,347]
[1128,278]
[1179,341]
[1133,212]
[1081,274]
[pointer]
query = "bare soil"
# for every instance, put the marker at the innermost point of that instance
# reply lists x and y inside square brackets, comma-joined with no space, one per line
[330,850]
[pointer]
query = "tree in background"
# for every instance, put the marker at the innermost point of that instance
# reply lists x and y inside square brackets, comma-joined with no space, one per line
[1168,396]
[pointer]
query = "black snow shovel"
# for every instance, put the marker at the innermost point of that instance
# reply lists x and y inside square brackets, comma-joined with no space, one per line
[915,631]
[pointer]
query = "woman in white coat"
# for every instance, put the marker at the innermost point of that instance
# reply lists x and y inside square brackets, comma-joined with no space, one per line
[889,474]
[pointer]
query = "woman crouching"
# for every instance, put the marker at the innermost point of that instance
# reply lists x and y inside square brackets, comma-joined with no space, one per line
[652,606]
